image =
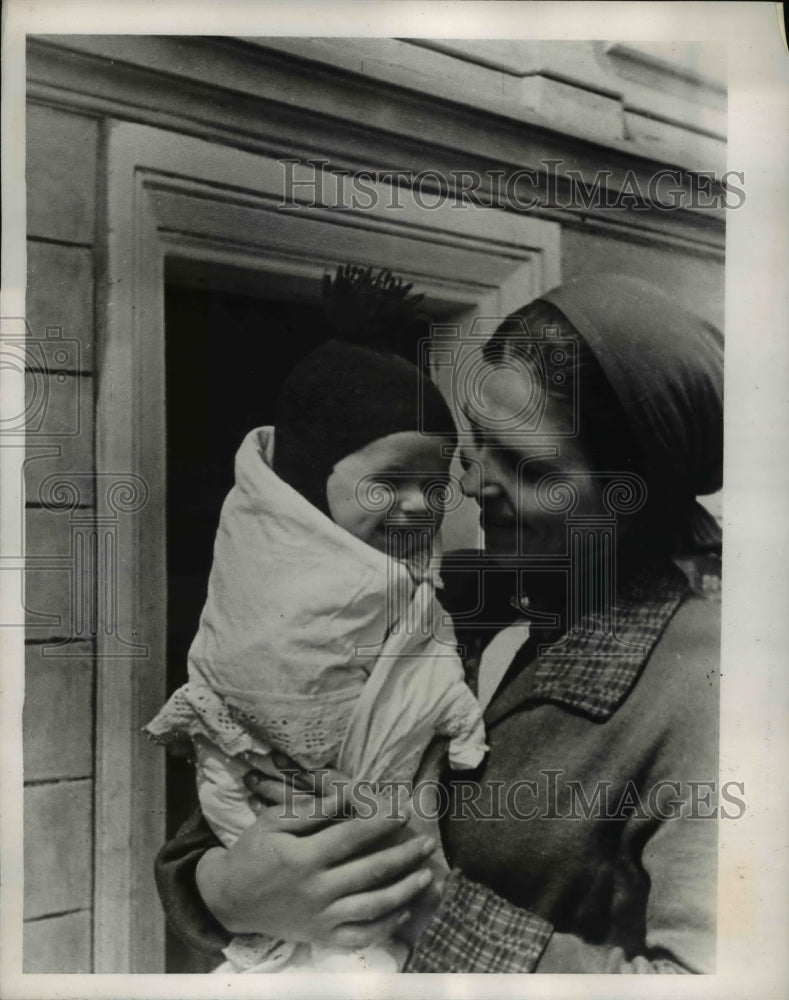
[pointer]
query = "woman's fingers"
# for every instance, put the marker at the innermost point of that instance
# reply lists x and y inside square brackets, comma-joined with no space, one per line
[273,782]
[278,791]
[279,786]
[343,841]
[317,779]
[365,907]
[292,772]
[383,866]
[299,817]
[266,788]
[362,935]
[328,778]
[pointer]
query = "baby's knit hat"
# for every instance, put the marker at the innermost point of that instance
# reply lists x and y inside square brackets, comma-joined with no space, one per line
[346,394]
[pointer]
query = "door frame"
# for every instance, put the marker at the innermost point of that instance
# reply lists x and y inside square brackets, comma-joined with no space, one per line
[168,196]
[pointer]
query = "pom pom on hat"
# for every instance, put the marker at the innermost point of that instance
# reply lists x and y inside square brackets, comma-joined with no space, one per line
[370,308]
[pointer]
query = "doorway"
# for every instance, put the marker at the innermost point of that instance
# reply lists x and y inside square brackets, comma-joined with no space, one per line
[226,356]
[211,208]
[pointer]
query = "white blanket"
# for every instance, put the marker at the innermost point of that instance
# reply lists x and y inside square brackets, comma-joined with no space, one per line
[316,644]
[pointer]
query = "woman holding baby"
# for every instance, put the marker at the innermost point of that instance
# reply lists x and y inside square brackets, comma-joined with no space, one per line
[583,840]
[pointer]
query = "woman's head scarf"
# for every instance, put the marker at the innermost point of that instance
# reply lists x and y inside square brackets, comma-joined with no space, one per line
[664,365]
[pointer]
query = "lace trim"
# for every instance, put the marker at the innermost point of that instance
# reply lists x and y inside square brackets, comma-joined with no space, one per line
[195,710]
[306,728]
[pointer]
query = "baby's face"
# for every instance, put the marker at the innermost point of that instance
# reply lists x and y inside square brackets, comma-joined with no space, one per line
[388,493]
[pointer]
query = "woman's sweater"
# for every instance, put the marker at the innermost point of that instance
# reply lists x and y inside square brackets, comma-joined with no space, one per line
[592,753]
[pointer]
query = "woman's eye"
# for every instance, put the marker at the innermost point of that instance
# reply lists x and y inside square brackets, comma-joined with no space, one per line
[473,456]
[477,435]
[437,483]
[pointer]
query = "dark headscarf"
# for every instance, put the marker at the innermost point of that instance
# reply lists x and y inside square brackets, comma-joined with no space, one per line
[665,367]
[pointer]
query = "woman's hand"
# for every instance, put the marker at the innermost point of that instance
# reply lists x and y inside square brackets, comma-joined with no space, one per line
[298,875]
[425,823]
[280,781]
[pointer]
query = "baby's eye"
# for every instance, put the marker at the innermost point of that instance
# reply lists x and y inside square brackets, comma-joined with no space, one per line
[437,492]
[529,472]
[378,494]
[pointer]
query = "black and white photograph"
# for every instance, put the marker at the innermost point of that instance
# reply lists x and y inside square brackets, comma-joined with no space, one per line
[387,590]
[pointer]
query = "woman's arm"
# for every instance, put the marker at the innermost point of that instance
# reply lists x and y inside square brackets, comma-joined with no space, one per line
[475,930]
[175,869]
[294,876]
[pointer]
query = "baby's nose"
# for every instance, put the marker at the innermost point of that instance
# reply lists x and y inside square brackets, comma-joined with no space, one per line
[412,500]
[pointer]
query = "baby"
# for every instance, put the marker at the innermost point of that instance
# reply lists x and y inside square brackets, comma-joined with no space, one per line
[321,635]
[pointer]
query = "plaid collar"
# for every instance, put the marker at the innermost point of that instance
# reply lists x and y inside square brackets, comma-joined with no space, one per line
[594,666]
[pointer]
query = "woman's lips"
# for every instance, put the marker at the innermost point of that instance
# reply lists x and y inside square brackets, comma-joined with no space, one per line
[497,519]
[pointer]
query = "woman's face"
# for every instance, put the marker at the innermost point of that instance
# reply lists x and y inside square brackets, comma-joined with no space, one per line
[503,466]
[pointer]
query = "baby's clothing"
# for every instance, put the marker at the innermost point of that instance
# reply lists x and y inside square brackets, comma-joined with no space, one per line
[313,643]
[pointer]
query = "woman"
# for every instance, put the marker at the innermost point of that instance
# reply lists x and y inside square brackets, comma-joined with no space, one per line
[585,842]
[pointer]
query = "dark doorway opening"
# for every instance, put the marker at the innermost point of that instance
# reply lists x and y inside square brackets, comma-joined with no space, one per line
[226,357]
[227,353]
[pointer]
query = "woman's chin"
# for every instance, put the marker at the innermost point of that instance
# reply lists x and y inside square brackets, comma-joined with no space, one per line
[500,540]
[508,543]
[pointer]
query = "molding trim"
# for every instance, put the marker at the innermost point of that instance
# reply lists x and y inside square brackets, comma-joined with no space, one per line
[175,205]
[265,101]
[130,793]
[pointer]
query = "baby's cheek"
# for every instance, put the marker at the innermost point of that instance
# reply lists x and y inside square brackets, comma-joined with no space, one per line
[366,522]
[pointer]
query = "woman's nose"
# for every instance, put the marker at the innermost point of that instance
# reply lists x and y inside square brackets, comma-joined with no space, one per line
[471,481]
[475,484]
